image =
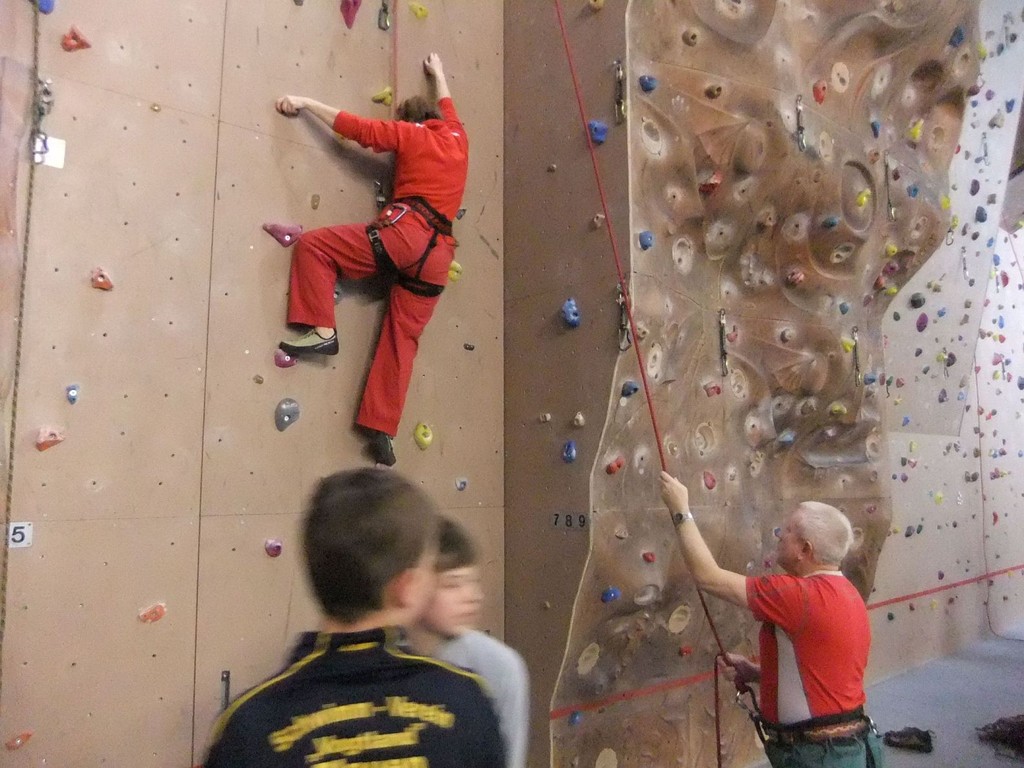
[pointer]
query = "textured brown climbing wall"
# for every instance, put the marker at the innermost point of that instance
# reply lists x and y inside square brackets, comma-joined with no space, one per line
[172,475]
[798,247]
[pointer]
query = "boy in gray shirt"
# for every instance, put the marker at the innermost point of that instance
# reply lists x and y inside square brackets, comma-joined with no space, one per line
[447,631]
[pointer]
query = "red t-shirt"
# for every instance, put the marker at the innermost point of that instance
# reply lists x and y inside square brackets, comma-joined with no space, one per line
[814,645]
[431,158]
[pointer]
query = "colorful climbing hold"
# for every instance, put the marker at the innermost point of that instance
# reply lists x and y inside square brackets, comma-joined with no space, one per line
[610,595]
[629,388]
[74,40]
[575,718]
[571,313]
[153,613]
[598,131]
[914,131]
[819,89]
[569,452]
[48,437]
[830,222]
[423,435]
[285,234]
[957,38]
[863,197]
[18,741]
[273,547]
[922,322]
[876,128]
[709,480]
[349,8]
[418,10]
[283,360]
[649,557]
[46,6]
[711,389]
[648,83]
[454,271]
[980,215]
[615,465]
[646,239]
[101,280]
[385,96]
[461,483]
[710,184]
[786,437]
[71,393]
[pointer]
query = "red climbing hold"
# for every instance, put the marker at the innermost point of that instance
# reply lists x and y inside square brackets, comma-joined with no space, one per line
[73,40]
[48,437]
[710,184]
[101,280]
[685,650]
[154,613]
[285,234]
[709,481]
[615,465]
[349,8]
[995,518]
[648,557]
[17,742]
[711,389]
[819,90]
[283,360]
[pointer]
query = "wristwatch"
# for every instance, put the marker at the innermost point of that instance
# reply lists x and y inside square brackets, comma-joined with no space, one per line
[681,517]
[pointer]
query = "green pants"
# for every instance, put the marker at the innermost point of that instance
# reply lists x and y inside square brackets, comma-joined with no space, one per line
[836,753]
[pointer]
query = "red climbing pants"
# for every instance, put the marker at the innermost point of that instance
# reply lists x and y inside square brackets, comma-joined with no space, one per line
[321,255]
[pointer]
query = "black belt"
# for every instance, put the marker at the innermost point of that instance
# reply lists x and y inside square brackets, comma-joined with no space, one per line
[842,725]
[386,265]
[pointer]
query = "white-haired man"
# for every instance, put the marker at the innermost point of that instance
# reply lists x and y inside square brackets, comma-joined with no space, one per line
[814,640]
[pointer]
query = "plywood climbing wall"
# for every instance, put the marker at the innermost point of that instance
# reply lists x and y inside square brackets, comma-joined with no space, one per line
[173,478]
[793,176]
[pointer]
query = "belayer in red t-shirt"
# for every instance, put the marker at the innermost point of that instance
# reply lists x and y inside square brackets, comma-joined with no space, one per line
[410,243]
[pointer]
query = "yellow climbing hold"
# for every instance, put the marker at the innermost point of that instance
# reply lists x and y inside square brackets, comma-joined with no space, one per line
[454,272]
[848,344]
[418,10]
[939,496]
[385,97]
[597,5]
[862,197]
[892,290]
[914,131]
[913,446]
[891,250]
[837,409]
[945,202]
[423,436]
[954,222]
[982,51]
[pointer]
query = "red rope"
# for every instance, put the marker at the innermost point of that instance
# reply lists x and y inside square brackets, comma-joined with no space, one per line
[628,304]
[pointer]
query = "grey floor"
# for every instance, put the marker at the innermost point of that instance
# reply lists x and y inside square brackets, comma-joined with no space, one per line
[952,696]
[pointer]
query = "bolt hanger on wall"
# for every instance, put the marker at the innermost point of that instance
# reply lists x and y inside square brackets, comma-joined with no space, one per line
[620,92]
[722,351]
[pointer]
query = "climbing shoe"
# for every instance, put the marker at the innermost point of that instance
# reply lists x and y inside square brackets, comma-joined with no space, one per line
[313,342]
[381,448]
[909,738]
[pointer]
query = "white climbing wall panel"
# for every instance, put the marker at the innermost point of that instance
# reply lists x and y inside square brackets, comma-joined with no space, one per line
[173,476]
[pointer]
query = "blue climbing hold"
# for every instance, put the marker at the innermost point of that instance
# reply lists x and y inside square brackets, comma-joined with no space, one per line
[598,131]
[1001,322]
[957,38]
[912,190]
[610,595]
[941,312]
[995,259]
[906,420]
[830,222]
[844,307]
[981,215]
[569,452]
[961,395]
[876,128]
[870,378]
[575,718]
[46,6]
[648,83]
[71,392]
[646,239]
[629,388]
[1010,104]
[571,313]
[788,437]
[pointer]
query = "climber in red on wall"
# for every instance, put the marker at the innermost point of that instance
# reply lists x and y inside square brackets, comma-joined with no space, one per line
[410,243]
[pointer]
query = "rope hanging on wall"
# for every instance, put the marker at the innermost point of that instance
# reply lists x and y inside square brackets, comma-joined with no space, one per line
[36,119]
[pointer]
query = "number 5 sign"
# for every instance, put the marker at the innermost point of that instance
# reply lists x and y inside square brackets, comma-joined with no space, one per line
[19,535]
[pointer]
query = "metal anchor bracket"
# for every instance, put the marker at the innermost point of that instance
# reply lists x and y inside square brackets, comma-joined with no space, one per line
[620,92]
[857,375]
[801,139]
[384,16]
[625,334]
[379,198]
[723,352]
[889,207]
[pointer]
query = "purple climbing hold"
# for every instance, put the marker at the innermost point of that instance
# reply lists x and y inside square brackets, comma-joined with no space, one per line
[922,321]
[283,360]
[598,131]
[285,234]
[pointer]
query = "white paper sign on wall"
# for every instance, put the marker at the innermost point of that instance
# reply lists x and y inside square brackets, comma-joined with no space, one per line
[19,535]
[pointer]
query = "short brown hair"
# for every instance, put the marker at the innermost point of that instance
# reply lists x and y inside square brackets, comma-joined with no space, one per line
[362,529]
[416,109]
[455,548]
